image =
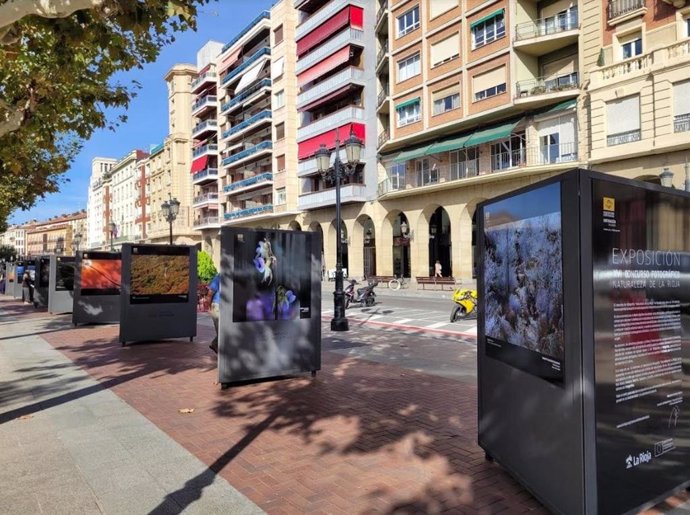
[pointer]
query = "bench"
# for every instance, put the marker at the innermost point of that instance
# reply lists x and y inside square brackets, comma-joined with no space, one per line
[382,279]
[436,283]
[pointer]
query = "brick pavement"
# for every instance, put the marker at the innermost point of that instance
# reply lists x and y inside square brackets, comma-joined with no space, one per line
[362,437]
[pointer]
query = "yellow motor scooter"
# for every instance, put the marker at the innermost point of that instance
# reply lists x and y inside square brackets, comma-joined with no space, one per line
[465,304]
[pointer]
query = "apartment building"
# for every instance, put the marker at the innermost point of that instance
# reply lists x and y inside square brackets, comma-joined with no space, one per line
[142,204]
[96,221]
[57,235]
[638,95]
[15,236]
[123,209]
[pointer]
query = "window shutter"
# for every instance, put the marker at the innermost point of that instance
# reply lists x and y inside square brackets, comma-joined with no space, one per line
[278,67]
[489,79]
[623,115]
[438,7]
[681,98]
[445,49]
[559,68]
[445,92]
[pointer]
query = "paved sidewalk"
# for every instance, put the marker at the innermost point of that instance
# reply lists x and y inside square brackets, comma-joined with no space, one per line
[368,435]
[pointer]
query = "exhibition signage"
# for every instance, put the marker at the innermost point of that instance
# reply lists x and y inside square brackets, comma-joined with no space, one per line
[158,298]
[270,316]
[584,340]
[97,287]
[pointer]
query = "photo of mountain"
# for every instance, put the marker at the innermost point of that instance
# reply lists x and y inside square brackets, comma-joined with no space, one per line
[159,274]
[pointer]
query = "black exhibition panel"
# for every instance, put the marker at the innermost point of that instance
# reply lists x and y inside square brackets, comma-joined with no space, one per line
[42,281]
[61,281]
[97,283]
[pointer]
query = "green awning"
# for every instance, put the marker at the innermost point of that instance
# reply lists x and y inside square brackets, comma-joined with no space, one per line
[492,133]
[408,155]
[448,144]
[563,106]
[486,18]
[406,103]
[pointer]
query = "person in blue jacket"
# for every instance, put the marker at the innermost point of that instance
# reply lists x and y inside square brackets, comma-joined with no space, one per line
[214,301]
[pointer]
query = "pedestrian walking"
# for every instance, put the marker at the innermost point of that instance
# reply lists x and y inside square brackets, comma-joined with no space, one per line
[26,288]
[438,268]
[214,301]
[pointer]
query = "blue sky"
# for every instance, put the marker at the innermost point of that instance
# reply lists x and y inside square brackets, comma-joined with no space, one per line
[147,115]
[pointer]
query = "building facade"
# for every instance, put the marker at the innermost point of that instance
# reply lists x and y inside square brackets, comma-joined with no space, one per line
[15,236]
[96,221]
[60,235]
[123,209]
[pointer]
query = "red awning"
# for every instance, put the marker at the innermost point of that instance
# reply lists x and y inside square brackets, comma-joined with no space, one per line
[309,147]
[323,31]
[199,164]
[229,61]
[328,64]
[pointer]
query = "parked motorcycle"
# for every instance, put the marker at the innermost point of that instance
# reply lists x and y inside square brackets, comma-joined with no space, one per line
[365,295]
[465,304]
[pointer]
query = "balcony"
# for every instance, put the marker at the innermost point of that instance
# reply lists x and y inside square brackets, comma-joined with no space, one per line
[621,8]
[207,222]
[252,211]
[382,97]
[243,127]
[308,167]
[251,183]
[204,149]
[259,54]
[381,14]
[623,137]
[547,35]
[205,176]
[263,148]
[681,123]
[204,103]
[381,55]
[203,80]
[206,198]
[258,87]
[332,84]
[320,17]
[554,87]
[328,122]
[264,15]
[324,198]
[208,126]
[346,37]
[383,138]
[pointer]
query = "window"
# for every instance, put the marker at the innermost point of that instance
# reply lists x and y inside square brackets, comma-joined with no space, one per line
[446,100]
[623,120]
[396,174]
[278,35]
[409,67]
[279,99]
[464,163]
[280,131]
[687,27]
[438,7]
[408,21]
[280,163]
[281,197]
[445,50]
[278,67]
[426,174]
[509,153]
[557,140]
[631,48]
[409,112]
[488,29]
[489,84]
[681,106]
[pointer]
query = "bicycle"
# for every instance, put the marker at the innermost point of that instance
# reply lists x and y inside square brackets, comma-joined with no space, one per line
[397,283]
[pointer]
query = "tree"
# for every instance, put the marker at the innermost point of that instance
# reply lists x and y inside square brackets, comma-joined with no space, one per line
[57,62]
[206,270]
[7,252]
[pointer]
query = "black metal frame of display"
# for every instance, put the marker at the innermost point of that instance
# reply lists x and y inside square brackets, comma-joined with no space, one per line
[62,285]
[574,443]
[41,286]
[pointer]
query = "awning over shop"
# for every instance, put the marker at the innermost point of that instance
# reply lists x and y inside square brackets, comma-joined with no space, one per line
[408,155]
[492,133]
[486,18]
[199,164]
[448,144]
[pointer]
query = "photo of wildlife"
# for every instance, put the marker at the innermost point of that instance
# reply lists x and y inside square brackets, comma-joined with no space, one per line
[159,275]
[523,275]
[101,276]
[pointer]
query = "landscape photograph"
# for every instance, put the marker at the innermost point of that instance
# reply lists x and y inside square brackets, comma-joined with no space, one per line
[101,274]
[159,275]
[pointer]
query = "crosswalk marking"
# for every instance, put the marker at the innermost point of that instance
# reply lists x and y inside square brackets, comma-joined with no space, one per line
[436,325]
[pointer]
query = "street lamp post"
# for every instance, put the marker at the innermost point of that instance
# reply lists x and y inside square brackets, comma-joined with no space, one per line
[170,209]
[353,153]
[112,228]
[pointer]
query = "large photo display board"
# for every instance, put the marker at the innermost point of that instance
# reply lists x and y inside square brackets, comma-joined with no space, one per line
[641,290]
[61,284]
[98,278]
[158,292]
[270,322]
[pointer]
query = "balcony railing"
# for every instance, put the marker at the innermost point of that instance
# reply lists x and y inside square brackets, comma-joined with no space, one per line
[546,26]
[623,137]
[681,123]
[207,173]
[264,145]
[381,53]
[156,149]
[383,95]
[332,83]
[318,18]
[257,85]
[205,198]
[542,85]
[210,124]
[345,37]
[205,100]
[381,13]
[208,220]
[330,121]
[203,149]
[383,138]
[263,115]
[246,64]
[250,26]
[263,177]
[202,78]
[618,8]
[242,213]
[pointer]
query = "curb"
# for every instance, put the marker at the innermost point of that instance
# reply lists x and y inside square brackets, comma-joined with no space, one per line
[404,327]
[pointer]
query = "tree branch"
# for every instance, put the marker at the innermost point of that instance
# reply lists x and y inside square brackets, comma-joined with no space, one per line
[14,10]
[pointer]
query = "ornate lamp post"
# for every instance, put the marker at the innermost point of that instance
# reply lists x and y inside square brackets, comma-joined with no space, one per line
[353,153]
[666,177]
[76,241]
[112,228]
[170,208]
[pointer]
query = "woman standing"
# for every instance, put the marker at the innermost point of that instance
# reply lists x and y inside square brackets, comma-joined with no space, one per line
[26,288]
